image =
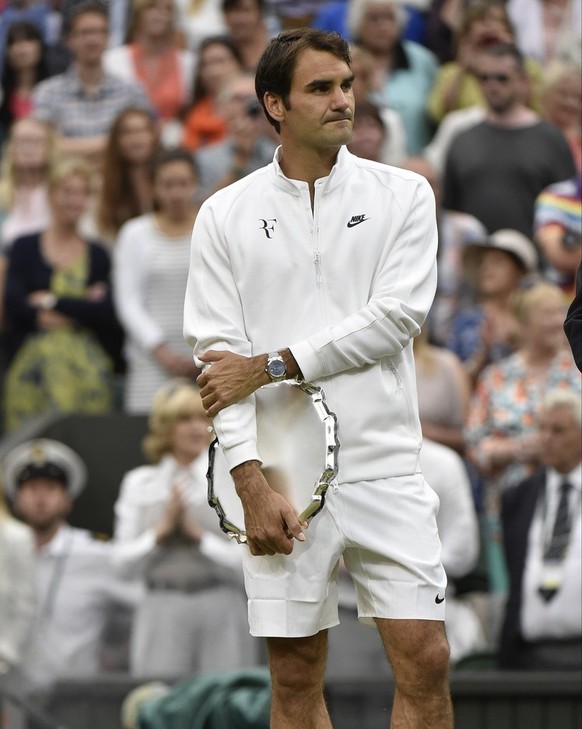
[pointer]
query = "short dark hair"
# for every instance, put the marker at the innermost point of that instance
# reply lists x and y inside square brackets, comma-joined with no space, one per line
[176,154]
[228,5]
[168,156]
[83,8]
[368,110]
[213,40]
[277,64]
[506,50]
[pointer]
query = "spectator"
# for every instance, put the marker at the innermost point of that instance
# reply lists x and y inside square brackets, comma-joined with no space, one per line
[405,71]
[561,100]
[333,15]
[546,30]
[558,231]
[59,311]
[443,393]
[573,323]
[248,145]
[193,616]
[83,102]
[245,23]
[17,593]
[29,156]
[455,122]
[218,62]
[501,436]
[541,526]
[23,67]
[495,267]
[456,230]
[369,133]
[15,11]
[442,26]
[351,650]
[364,89]
[126,184]
[151,259]
[491,172]
[154,59]
[75,583]
[457,86]
[296,13]
[200,19]
[502,440]
[459,532]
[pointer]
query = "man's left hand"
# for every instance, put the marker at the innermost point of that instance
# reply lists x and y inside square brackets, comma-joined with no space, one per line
[230,378]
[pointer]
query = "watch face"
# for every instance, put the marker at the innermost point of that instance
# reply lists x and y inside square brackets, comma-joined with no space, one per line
[277,368]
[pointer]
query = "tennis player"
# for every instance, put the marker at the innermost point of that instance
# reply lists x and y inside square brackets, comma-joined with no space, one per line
[322,266]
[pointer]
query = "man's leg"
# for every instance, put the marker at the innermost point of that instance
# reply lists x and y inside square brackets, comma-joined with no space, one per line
[419,654]
[297,668]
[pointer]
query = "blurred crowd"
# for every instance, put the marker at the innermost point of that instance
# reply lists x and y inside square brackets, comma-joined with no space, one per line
[117,120]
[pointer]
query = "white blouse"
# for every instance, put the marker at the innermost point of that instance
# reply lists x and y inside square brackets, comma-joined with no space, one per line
[142,498]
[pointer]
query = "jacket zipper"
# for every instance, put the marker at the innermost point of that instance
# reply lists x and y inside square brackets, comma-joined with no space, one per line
[317,261]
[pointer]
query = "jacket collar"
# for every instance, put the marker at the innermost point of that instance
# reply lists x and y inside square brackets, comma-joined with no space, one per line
[343,165]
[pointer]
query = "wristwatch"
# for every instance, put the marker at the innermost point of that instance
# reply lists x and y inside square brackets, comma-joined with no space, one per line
[276,368]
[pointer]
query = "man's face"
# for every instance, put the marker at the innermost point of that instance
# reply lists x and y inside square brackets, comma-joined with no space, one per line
[43,503]
[561,439]
[502,83]
[88,38]
[243,20]
[320,110]
[240,97]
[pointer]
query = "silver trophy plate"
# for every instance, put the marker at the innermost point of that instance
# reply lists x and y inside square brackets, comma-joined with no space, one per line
[298,444]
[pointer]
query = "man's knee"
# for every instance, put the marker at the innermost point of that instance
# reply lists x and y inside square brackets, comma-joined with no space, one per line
[419,652]
[298,664]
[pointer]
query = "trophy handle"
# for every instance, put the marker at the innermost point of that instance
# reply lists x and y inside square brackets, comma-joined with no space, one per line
[222,496]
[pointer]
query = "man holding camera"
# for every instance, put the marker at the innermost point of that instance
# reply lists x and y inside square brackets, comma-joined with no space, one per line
[248,146]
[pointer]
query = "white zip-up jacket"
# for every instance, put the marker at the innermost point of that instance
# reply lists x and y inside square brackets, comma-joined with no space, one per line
[346,286]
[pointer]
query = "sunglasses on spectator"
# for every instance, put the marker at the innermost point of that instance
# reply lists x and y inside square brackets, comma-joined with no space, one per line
[501,78]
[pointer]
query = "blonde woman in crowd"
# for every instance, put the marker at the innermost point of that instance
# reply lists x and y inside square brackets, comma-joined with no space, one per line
[27,160]
[126,187]
[151,258]
[193,617]
[501,430]
[59,312]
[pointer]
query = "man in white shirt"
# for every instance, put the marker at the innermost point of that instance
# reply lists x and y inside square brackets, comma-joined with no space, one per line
[322,266]
[542,534]
[76,586]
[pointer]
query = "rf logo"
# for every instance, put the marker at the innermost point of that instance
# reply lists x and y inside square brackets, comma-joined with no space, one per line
[268,226]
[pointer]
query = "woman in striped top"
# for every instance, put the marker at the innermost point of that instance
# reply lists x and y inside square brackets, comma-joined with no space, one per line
[151,261]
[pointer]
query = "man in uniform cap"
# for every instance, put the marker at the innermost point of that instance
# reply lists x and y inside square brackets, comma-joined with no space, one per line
[76,585]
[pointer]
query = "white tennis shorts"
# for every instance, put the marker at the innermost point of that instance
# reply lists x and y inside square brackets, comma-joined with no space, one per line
[386,531]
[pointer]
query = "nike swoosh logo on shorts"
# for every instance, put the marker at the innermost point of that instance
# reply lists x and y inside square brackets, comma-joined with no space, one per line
[439,599]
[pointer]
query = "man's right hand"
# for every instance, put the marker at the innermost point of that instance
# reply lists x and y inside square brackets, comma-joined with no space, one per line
[271,523]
